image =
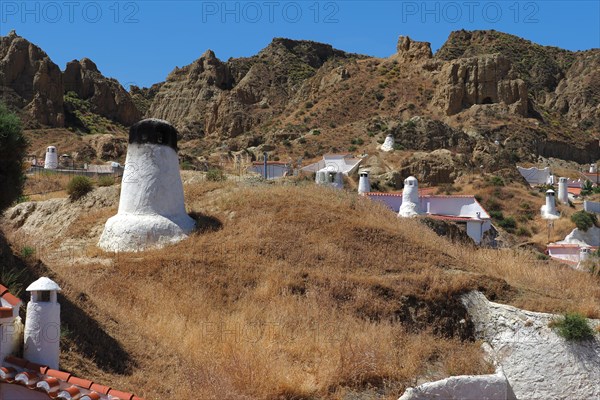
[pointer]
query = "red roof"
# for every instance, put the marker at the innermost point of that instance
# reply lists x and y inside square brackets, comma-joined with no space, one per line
[270,163]
[57,384]
[448,217]
[422,192]
[12,300]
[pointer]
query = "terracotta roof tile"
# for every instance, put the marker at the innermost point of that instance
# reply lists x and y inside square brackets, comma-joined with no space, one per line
[12,300]
[3,289]
[49,385]
[19,362]
[69,393]
[90,396]
[63,376]
[100,388]
[39,368]
[6,312]
[447,217]
[120,395]
[7,373]
[84,383]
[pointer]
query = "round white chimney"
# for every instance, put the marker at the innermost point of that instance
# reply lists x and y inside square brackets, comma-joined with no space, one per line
[364,185]
[549,210]
[151,208]
[42,324]
[51,161]
[593,168]
[563,191]
[410,198]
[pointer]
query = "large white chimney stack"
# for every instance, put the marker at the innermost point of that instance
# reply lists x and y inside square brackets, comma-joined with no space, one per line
[563,191]
[51,161]
[549,210]
[151,208]
[364,185]
[42,324]
[410,198]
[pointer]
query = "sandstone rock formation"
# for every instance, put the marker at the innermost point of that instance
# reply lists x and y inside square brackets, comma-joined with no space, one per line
[188,93]
[577,96]
[30,81]
[422,133]
[438,167]
[210,97]
[106,96]
[409,50]
[481,80]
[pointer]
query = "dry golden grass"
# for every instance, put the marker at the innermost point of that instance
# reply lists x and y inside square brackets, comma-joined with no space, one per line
[45,183]
[299,292]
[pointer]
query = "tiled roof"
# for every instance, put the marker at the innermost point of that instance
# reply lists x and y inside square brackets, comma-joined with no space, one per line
[56,384]
[422,193]
[449,217]
[10,299]
[271,163]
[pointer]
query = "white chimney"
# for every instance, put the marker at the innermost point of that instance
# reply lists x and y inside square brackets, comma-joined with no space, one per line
[51,161]
[151,208]
[42,324]
[563,190]
[593,168]
[338,180]
[584,254]
[549,210]
[364,185]
[410,198]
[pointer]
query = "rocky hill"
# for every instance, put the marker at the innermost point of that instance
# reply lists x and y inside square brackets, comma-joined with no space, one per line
[515,101]
[34,86]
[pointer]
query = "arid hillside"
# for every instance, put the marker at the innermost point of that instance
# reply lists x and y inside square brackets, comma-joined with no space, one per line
[286,291]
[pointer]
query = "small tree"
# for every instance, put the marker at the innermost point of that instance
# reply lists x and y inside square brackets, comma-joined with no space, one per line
[13,148]
[584,220]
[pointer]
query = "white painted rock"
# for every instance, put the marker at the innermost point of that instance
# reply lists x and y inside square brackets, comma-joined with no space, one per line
[480,387]
[537,363]
[389,143]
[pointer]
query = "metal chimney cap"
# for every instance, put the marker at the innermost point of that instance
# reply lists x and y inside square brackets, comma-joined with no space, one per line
[43,284]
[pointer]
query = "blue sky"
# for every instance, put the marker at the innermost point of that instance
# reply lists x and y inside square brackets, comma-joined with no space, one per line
[140,42]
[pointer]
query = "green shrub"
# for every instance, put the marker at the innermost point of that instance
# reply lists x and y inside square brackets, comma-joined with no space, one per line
[573,326]
[357,141]
[497,215]
[79,186]
[302,140]
[508,223]
[496,181]
[106,180]
[316,132]
[13,147]
[522,231]
[27,251]
[215,175]
[352,148]
[584,220]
